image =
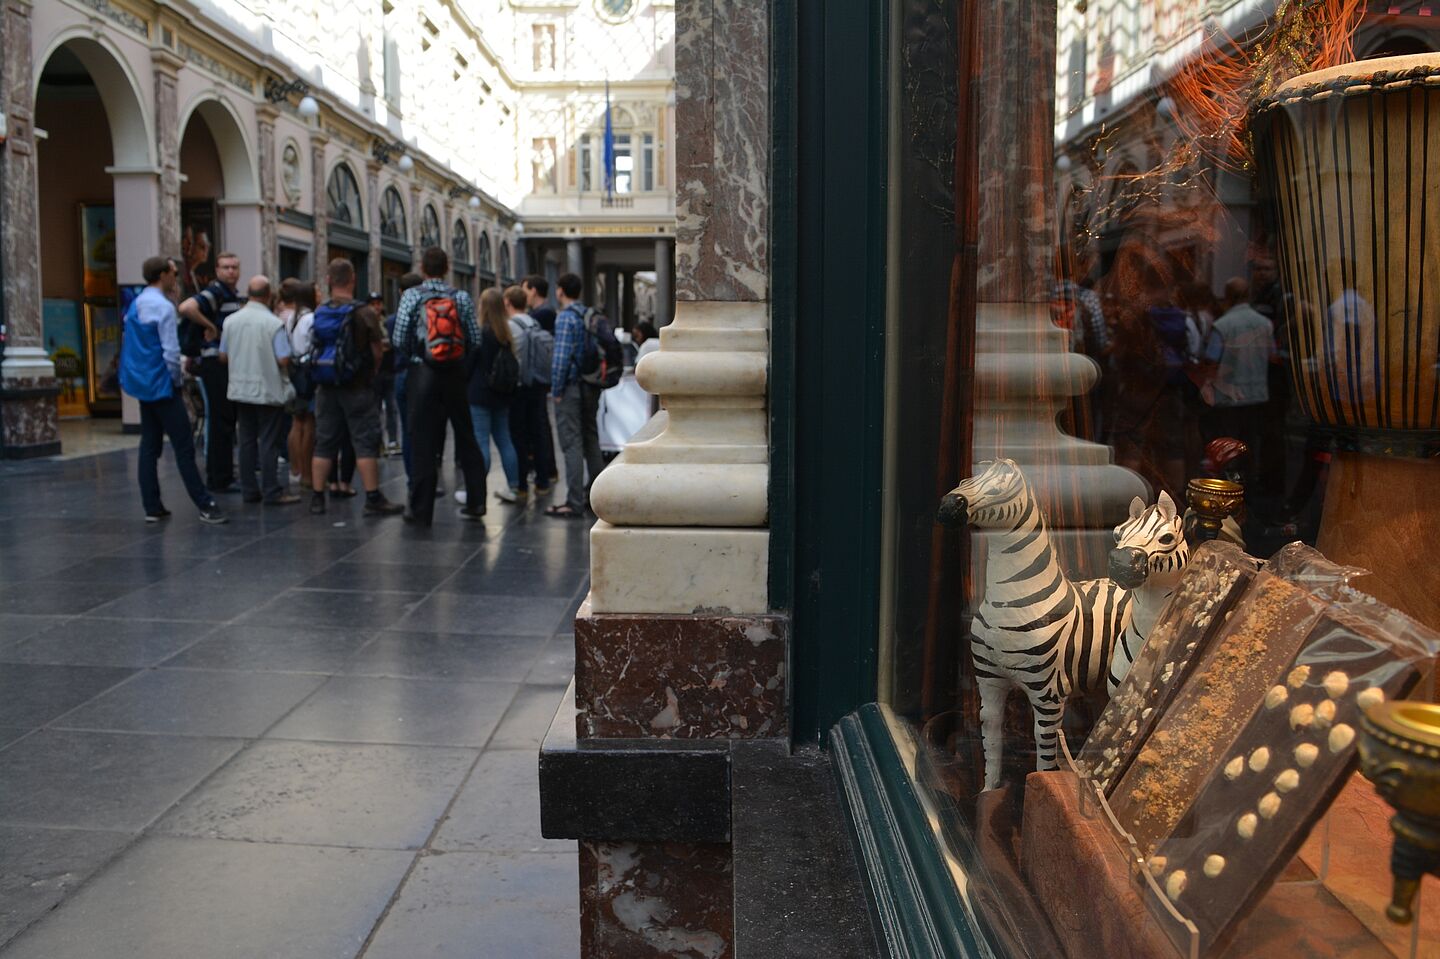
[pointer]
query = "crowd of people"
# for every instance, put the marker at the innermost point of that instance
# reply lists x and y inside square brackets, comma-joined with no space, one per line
[333,386]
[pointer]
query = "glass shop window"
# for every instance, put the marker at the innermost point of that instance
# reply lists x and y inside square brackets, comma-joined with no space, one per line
[1144,255]
[624,164]
[587,164]
[647,162]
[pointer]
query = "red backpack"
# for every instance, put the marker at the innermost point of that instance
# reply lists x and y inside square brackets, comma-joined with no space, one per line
[444,333]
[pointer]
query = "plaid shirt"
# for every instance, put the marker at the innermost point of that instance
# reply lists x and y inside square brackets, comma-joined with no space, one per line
[569,338]
[409,336]
[1097,333]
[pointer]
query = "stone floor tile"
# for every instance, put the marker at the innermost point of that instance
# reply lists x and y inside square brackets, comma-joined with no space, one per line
[484,906]
[489,613]
[172,898]
[362,577]
[526,721]
[499,808]
[273,649]
[560,581]
[56,598]
[32,695]
[102,780]
[405,711]
[447,656]
[39,866]
[196,703]
[555,665]
[183,599]
[16,627]
[336,794]
[105,642]
[297,608]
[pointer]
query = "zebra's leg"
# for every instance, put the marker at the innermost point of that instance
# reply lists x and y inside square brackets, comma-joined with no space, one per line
[1049,709]
[992,720]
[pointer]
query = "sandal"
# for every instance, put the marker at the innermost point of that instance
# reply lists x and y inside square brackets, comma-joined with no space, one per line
[563,512]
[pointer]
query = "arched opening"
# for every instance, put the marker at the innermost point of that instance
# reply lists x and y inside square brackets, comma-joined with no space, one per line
[346,212]
[395,252]
[94,177]
[219,195]
[429,228]
[506,273]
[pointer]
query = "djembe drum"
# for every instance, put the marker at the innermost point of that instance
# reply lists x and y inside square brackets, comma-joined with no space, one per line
[1352,156]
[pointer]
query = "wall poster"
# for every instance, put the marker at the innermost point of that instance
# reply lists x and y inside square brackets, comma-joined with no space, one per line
[198,240]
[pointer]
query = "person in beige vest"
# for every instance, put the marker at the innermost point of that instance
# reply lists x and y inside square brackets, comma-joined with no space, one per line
[255,348]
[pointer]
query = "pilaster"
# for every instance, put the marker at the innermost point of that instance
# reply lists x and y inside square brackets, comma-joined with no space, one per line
[413,221]
[265,115]
[29,422]
[319,209]
[166,64]
[372,204]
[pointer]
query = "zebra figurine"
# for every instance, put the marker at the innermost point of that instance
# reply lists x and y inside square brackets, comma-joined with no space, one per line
[1035,629]
[1149,557]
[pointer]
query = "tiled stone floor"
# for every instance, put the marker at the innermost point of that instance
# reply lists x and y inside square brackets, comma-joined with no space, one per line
[290,736]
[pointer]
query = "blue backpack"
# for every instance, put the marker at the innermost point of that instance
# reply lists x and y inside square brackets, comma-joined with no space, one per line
[335,360]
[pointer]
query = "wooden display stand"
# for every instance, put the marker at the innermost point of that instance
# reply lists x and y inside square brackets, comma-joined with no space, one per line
[1081,878]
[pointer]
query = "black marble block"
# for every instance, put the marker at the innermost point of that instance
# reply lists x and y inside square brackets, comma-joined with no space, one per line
[642,790]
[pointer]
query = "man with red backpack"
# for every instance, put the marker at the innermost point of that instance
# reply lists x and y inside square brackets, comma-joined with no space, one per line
[435,330]
[347,341]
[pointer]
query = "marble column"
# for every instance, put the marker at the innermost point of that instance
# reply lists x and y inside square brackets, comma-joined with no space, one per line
[137,237]
[664,283]
[319,208]
[574,258]
[372,205]
[265,115]
[166,65]
[627,299]
[29,418]
[679,558]
[612,293]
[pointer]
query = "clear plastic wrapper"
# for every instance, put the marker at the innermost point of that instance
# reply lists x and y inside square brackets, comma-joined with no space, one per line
[1293,748]
[1217,575]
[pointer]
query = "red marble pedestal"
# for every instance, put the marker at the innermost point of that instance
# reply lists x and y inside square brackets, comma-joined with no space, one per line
[1080,877]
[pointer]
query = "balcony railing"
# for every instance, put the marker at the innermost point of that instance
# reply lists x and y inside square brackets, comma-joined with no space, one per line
[618,202]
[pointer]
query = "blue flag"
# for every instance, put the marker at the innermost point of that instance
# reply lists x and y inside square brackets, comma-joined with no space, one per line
[609,156]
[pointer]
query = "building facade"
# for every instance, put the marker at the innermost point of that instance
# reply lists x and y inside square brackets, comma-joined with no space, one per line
[291,134]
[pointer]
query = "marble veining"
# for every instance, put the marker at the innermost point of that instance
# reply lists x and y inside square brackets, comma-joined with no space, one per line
[680,677]
[652,900]
[722,164]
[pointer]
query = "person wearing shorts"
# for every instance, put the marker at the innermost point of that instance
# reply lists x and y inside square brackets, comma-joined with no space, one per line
[353,405]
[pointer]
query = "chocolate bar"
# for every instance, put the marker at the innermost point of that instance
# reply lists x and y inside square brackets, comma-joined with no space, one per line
[1212,584]
[1263,632]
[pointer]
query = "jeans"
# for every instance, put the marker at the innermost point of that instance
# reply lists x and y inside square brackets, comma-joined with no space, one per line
[157,420]
[401,375]
[495,423]
[433,398]
[260,433]
[576,420]
[530,431]
[219,424]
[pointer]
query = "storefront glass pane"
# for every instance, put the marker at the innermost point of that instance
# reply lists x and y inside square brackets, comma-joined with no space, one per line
[1131,245]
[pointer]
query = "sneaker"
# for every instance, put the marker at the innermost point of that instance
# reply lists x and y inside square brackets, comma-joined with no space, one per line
[158,515]
[392,449]
[317,503]
[505,495]
[460,496]
[382,507]
[213,515]
[471,515]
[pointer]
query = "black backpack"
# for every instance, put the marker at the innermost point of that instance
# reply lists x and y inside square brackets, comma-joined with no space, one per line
[504,374]
[602,361]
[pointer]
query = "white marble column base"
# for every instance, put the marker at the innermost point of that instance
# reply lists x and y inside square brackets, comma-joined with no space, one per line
[678,570]
[26,363]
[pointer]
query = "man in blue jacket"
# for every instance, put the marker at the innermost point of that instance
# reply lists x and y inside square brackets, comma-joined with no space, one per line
[150,372]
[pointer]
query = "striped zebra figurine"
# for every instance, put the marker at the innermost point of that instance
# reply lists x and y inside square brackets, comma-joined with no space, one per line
[1035,630]
[1149,557]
